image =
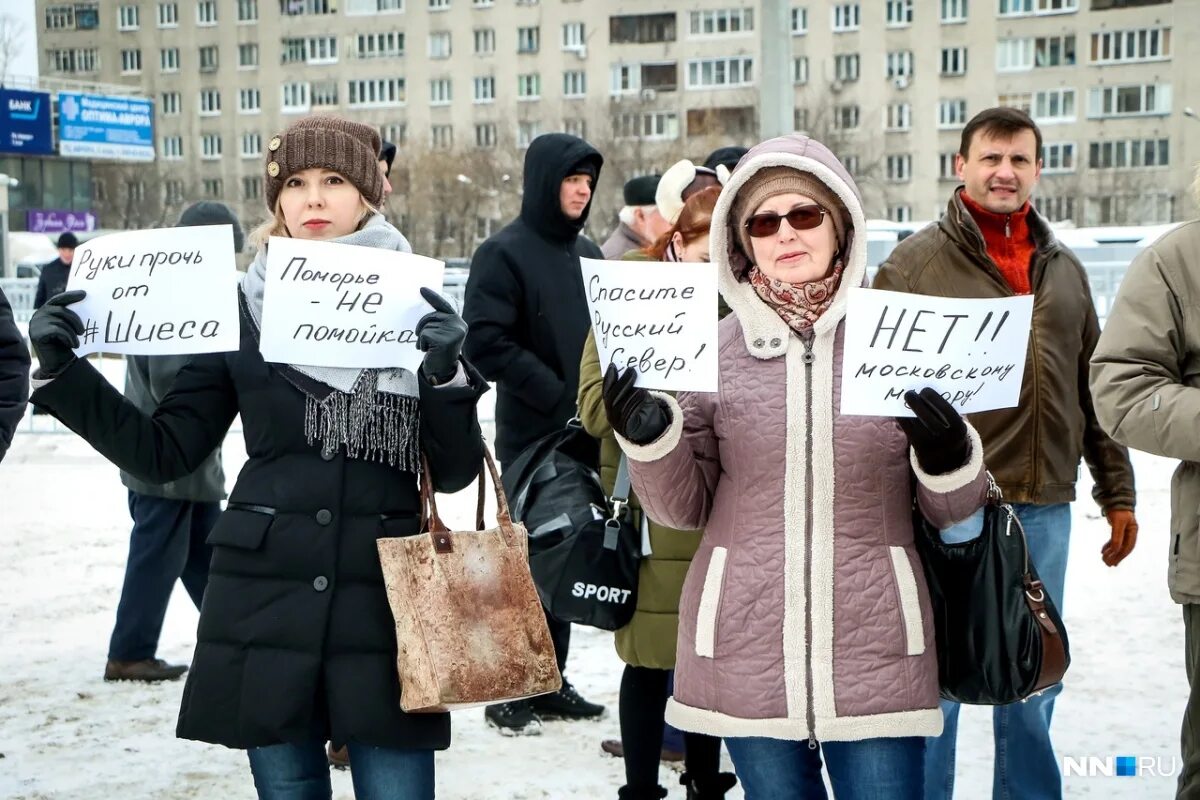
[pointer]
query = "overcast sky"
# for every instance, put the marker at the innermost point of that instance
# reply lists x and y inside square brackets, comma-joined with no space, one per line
[26,63]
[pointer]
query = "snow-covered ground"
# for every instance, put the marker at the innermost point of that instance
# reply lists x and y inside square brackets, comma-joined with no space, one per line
[65,733]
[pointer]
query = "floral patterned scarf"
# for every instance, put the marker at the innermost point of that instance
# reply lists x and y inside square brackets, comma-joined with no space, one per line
[800,305]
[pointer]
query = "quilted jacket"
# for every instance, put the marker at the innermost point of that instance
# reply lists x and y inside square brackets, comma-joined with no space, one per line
[804,614]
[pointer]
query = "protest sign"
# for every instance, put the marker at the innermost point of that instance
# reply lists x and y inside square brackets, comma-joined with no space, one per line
[167,291]
[660,318]
[341,305]
[971,350]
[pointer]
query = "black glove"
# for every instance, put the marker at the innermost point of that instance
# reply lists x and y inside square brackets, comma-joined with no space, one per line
[440,335]
[938,433]
[54,331]
[633,412]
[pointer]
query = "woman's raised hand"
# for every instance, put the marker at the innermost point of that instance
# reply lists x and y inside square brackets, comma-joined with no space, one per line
[633,413]
[440,335]
[54,332]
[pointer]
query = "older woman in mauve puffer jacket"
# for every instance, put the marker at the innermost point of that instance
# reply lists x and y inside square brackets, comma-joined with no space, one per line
[805,631]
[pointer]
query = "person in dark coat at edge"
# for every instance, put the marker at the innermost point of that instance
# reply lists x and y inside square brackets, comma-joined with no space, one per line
[53,278]
[14,375]
[170,520]
[528,319]
[296,642]
[387,154]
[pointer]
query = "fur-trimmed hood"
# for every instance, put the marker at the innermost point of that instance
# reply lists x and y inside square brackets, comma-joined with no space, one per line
[766,334]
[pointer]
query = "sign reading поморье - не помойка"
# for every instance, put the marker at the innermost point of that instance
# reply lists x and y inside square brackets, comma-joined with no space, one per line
[101,126]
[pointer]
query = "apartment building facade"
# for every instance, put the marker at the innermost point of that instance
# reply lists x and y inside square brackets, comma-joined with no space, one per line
[889,83]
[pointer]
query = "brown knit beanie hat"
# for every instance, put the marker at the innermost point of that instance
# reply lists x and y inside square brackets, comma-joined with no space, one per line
[349,148]
[766,183]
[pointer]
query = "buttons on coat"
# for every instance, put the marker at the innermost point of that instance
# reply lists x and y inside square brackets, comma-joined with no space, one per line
[776,342]
[320,583]
[328,455]
[760,342]
[324,517]
[273,145]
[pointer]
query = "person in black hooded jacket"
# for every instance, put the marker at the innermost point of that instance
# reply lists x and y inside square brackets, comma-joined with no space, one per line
[527,320]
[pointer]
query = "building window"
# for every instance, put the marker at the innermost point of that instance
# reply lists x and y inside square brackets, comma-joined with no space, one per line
[440,92]
[528,40]
[248,56]
[75,61]
[1056,6]
[483,3]
[527,131]
[800,120]
[721,21]
[131,62]
[127,18]
[575,127]
[136,191]
[846,17]
[954,11]
[1019,100]
[323,94]
[294,98]
[359,7]
[208,58]
[168,59]
[249,101]
[441,136]
[168,15]
[850,162]
[485,89]
[1130,209]
[247,11]
[954,61]
[1054,105]
[439,5]
[172,148]
[1058,157]
[206,12]
[946,167]
[529,87]
[899,117]
[210,102]
[380,45]
[1021,8]
[898,13]
[395,132]
[574,83]
[377,92]
[900,64]
[169,104]
[952,113]
[296,8]
[1014,8]
[900,213]
[641,28]
[485,41]
[210,146]
[1129,154]
[251,187]
[662,125]
[1054,51]
[172,191]
[720,73]
[846,67]
[1147,44]
[485,135]
[573,37]
[845,117]
[1056,209]
[1014,55]
[626,79]
[251,144]
[213,187]
[1129,101]
[799,21]
[60,18]
[800,70]
[899,168]
[439,44]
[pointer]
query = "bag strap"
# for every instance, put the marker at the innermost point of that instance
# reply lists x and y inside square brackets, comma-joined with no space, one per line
[431,521]
[619,500]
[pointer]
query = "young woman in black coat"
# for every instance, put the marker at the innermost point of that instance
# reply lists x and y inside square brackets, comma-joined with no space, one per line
[296,643]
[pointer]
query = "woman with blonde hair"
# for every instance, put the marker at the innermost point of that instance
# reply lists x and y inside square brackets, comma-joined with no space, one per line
[647,643]
[296,643]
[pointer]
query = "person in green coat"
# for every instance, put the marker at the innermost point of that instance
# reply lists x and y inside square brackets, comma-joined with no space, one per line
[647,643]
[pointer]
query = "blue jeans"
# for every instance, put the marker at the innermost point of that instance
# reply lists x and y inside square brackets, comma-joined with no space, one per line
[300,772]
[871,769]
[165,545]
[1025,765]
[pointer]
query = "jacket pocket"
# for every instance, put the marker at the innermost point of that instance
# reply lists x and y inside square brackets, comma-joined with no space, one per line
[910,602]
[242,526]
[710,604]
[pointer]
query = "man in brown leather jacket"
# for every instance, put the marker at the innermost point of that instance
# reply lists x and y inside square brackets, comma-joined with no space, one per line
[993,243]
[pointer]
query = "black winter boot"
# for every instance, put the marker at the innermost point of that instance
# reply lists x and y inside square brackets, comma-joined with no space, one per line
[641,793]
[708,787]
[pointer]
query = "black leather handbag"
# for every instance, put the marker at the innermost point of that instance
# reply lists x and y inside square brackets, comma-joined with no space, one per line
[999,636]
[591,576]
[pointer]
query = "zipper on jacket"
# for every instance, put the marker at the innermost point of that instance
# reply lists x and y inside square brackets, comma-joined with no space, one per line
[811,715]
[1008,227]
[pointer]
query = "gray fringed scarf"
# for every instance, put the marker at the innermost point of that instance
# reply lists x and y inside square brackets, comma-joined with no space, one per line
[373,413]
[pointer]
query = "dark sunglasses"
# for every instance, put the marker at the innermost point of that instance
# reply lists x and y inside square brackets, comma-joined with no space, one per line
[801,218]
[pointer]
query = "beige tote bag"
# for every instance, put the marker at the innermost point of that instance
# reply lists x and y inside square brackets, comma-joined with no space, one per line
[470,629]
